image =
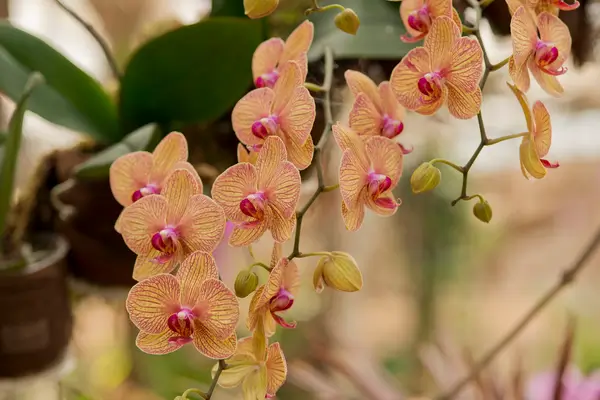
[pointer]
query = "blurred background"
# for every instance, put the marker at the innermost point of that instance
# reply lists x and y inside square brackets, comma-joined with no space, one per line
[440,287]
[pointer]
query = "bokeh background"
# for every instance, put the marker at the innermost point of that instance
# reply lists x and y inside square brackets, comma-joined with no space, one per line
[440,287]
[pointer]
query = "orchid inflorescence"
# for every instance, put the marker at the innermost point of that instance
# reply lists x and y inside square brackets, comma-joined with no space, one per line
[173,227]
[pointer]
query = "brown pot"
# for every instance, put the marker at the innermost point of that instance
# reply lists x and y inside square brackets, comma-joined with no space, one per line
[35,311]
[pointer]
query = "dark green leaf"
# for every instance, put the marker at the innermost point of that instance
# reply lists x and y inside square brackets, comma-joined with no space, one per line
[97,167]
[11,148]
[2,137]
[377,38]
[70,97]
[227,8]
[192,74]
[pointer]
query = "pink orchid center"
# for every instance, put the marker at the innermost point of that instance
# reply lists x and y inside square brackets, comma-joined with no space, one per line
[253,205]
[391,127]
[378,184]
[545,55]
[566,6]
[420,20]
[267,79]
[430,85]
[265,126]
[549,164]
[165,240]
[181,323]
[282,301]
[145,191]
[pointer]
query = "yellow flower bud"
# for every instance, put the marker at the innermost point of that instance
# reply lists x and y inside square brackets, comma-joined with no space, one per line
[347,21]
[245,283]
[426,177]
[483,211]
[339,271]
[259,8]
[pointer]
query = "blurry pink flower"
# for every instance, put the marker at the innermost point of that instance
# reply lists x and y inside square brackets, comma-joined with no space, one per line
[271,55]
[575,386]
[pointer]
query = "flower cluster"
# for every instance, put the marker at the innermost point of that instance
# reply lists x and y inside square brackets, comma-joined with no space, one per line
[173,227]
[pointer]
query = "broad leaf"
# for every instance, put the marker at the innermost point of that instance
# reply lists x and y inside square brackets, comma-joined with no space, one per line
[69,97]
[227,8]
[97,167]
[192,74]
[377,38]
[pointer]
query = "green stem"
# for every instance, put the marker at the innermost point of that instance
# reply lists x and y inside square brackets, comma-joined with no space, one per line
[259,264]
[185,394]
[313,87]
[480,197]
[313,254]
[449,163]
[213,385]
[496,67]
[331,188]
[507,137]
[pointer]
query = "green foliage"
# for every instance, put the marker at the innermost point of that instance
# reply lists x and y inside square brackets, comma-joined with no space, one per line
[69,97]
[97,167]
[227,8]
[189,75]
[11,149]
[377,38]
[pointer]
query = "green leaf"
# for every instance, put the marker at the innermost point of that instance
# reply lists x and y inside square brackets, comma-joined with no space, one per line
[69,98]
[11,148]
[377,38]
[227,8]
[192,74]
[2,137]
[98,166]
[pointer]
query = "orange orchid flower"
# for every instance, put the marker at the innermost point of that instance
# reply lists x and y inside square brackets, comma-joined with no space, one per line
[376,111]
[287,111]
[446,69]
[536,143]
[540,6]
[163,229]
[275,296]
[261,197]
[261,375]
[544,56]
[368,173]
[192,306]
[246,155]
[418,16]
[271,55]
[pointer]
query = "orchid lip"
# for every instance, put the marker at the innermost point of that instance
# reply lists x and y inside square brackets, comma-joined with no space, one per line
[253,205]
[420,20]
[430,85]
[378,184]
[165,240]
[282,301]
[391,127]
[181,323]
[268,79]
[545,53]
[145,191]
[265,126]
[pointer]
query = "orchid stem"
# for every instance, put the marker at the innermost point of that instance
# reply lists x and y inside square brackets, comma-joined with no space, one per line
[496,67]
[326,89]
[449,163]
[313,254]
[222,366]
[259,264]
[507,137]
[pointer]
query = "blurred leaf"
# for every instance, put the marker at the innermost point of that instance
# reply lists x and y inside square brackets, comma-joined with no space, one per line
[69,98]
[192,74]
[11,148]
[227,8]
[377,38]
[2,137]
[97,167]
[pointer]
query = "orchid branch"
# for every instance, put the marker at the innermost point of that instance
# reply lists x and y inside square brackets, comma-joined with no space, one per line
[326,89]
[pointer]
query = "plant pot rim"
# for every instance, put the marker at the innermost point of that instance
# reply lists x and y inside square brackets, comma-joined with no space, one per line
[50,247]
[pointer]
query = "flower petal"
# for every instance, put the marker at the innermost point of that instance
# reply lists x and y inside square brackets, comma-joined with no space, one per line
[203,224]
[524,106]
[254,386]
[361,83]
[179,187]
[276,368]
[249,109]
[406,8]
[467,64]
[543,129]
[524,35]
[301,155]
[389,103]
[141,220]
[150,302]
[530,161]
[440,8]
[291,276]
[431,107]
[353,216]
[148,265]
[129,173]
[385,204]
[172,149]
[280,226]
[554,31]
[223,306]
[230,188]
[406,75]
[298,116]
[256,313]
[272,154]
[246,235]
[461,104]
[440,42]
[347,139]
[353,177]
[519,74]
[549,83]
[213,347]
[513,5]
[193,271]
[276,254]
[297,45]
[192,170]
[274,283]
[157,343]
[386,157]
[290,77]
[284,189]
[364,117]
[266,56]
[233,375]
[245,155]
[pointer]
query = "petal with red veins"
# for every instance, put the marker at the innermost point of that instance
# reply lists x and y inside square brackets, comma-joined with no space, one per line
[276,368]
[284,189]
[461,104]
[150,302]
[290,77]
[157,343]
[141,220]
[193,271]
[266,56]
[440,42]
[524,35]
[154,263]
[435,104]
[384,205]
[390,104]
[172,149]
[554,31]
[300,155]
[440,8]
[128,174]
[543,129]
[297,44]
[272,154]
[360,83]
[364,117]
[530,161]
[281,227]
[519,74]
[249,109]
[203,224]
[246,234]
[386,158]
[348,140]
[232,186]
[549,83]
[179,187]
[223,308]
[296,119]
[353,177]
[406,75]
[354,214]
[467,64]
[211,346]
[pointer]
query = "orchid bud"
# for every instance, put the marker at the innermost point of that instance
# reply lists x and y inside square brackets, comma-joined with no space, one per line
[339,271]
[259,8]
[245,283]
[347,21]
[483,211]
[426,177]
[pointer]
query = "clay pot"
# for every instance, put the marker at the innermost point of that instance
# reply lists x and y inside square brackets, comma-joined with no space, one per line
[35,311]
